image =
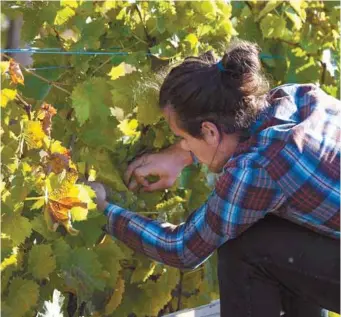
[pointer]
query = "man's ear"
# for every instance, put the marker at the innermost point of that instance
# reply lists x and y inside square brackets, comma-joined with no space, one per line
[210,133]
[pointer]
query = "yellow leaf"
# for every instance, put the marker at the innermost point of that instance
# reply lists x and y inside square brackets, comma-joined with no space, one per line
[7,95]
[9,261]
[129,127]
[57,147]
[33,134]
[66,199]
[64,15]
[4,67]
[117,71]
[116,298]
[69,3]
[192,39]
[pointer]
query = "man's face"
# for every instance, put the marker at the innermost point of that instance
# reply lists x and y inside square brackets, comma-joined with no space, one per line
[206,149]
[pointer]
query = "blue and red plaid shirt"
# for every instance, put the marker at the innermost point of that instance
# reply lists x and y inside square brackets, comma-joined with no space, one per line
[292,159]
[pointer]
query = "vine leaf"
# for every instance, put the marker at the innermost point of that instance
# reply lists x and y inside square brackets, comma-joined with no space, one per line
[15,72]
[90,100]
[117,71]
[62,199]
[109,254]
[144,269]
[45,114]
[33,134]
[41,261]
[16,226]
[22,291]
[7,95]
[116,298]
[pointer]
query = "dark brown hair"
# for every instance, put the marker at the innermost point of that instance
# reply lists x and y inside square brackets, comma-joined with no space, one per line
[230,97]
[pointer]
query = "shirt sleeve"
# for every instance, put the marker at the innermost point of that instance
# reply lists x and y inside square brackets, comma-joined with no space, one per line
[241,197]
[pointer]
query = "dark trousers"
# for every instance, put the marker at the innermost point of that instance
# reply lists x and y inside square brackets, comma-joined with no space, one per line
[279,266]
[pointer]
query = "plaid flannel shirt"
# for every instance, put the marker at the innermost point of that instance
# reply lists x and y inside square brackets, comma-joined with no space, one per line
[292,159]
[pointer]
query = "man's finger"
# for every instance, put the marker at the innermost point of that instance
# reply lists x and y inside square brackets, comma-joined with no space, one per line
[133,184]
[140,173]
[160,184]
[131,167]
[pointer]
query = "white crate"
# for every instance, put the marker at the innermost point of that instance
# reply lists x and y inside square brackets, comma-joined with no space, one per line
[210,310]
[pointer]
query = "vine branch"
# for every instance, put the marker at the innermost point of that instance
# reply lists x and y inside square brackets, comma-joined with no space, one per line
[52,83]
[149,39]
[179,304]
[27,107]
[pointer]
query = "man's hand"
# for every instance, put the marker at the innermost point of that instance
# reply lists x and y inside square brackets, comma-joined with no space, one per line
[166,164]
[101,195]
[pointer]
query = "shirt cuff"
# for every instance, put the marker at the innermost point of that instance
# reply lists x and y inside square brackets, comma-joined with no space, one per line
[107,209]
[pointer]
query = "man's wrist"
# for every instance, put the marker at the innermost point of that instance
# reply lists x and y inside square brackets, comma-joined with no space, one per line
[186,156]
[102,205]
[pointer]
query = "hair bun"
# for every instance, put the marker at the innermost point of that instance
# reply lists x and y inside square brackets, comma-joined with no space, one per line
[242,58]
[209,57]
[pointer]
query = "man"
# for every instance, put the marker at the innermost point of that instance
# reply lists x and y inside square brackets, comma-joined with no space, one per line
[274,213]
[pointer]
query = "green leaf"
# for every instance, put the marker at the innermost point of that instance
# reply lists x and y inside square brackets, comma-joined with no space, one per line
[108,173]
[273,26]
[90,100]
[162,287]
[145,268]
[39,225]
[123,92]
[295,19]
[160,138]
[90,229]
[270,5]
[110,254]
[297,6]
[62,252]
[23,295]
[16,226]
[6,246]
[41,261]
[160,24]
[148,111]
[84,269]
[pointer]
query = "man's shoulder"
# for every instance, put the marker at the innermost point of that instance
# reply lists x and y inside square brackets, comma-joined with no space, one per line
[292,89]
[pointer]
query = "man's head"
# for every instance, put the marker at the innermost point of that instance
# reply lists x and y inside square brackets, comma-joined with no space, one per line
[209,104]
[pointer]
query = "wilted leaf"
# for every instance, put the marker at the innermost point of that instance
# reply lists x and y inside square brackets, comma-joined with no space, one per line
[45,114]
[15,72]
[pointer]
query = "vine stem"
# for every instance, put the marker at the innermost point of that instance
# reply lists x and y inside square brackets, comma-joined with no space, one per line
[34,198]
[100,66]
[179,304]
[38,76]
[27,107]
